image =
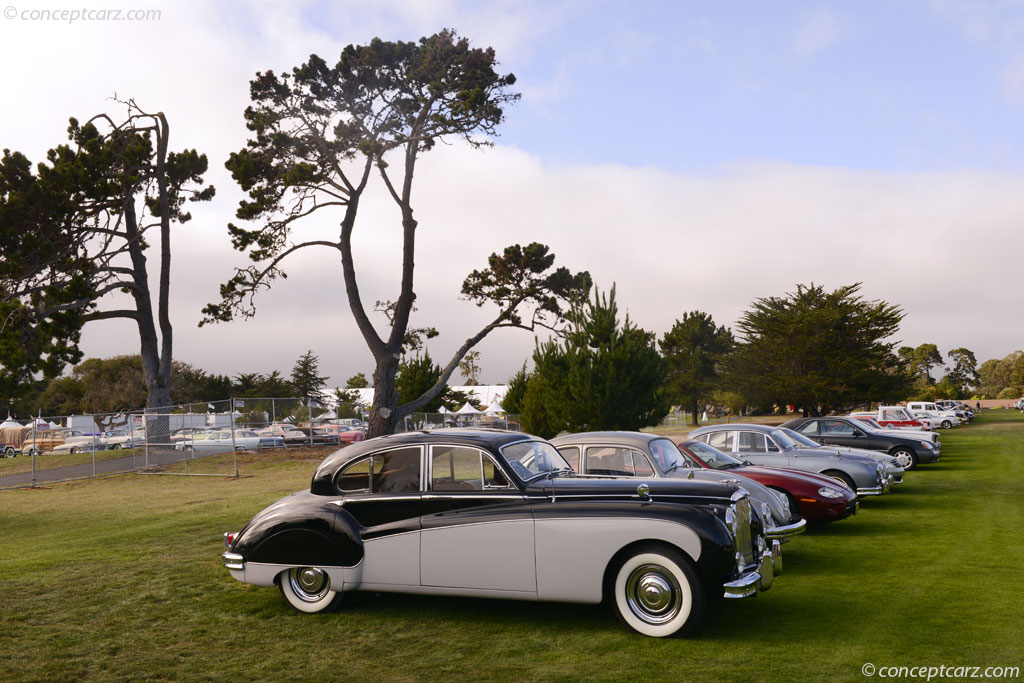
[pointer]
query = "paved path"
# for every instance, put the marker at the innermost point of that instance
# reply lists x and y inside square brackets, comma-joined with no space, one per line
[129,463]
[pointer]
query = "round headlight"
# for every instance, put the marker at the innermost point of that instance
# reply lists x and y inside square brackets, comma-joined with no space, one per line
[827,492]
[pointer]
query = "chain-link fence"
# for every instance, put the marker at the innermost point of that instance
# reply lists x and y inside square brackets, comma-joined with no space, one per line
[417,421]
[195,439]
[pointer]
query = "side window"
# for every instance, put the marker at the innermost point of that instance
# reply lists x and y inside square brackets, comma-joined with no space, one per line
[808,428]
[572,456]
[721,440]
[493,477]
[641,465]
[608,460]
[396,471]
[891,415]
[355,477]
[751,442]
[455,468]
[837,428]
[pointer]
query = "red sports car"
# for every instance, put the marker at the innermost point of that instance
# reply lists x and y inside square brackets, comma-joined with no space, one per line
[819,498]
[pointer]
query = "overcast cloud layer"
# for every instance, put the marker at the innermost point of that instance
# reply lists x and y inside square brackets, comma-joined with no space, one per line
[921,201]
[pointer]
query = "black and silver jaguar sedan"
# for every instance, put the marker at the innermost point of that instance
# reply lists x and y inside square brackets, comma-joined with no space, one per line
[500,514]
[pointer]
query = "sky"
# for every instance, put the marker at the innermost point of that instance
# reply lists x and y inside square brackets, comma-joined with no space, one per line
[697,156]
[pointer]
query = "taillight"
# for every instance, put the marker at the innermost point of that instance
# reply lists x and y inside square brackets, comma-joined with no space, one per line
[229,538]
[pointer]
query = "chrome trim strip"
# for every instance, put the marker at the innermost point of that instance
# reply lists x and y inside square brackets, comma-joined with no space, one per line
[374,499]
[472,496]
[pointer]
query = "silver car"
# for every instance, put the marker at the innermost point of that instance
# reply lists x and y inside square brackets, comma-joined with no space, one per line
[770,446]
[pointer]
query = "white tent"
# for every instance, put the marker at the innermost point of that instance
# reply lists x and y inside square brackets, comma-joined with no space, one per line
[9,422]
[467,410]
[494,409]
[442,410]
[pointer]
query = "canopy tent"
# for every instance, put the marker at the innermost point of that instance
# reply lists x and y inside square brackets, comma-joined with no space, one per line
[9,422]
[494,409]
[467,410]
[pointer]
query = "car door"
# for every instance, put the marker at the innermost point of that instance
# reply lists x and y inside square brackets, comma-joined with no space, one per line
[838,433]
[383,493]
[758,449]
[477,527]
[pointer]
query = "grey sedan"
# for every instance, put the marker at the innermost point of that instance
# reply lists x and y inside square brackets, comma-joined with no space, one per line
[637,454]
[770,446]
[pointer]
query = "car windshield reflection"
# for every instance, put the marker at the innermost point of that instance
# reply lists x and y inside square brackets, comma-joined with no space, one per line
[532,459]
[782,439]
[713,457]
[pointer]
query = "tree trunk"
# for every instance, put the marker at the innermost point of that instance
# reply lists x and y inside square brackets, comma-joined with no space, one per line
[694,421]
[384,413]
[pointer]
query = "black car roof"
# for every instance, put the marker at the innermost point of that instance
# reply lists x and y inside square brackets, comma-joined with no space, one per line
[489,439]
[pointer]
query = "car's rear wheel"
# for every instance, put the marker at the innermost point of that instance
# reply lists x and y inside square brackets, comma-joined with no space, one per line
[657,592]
[843,477]
[74,450]
[905,457]
[308,589]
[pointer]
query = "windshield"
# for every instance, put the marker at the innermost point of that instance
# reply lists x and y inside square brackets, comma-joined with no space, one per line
[871,423]
[802,440]
[783,441]
[669,456]
[712,456]
[531,459]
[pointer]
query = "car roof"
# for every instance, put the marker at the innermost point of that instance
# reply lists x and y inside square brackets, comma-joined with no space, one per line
[729,426]
[639,439]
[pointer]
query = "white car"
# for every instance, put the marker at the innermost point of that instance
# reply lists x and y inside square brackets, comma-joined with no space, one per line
[79,442]
[221,442]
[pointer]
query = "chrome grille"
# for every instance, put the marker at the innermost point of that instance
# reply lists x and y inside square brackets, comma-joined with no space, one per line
[740,522]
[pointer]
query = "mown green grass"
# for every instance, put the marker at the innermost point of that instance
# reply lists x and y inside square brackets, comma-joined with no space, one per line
[119,579]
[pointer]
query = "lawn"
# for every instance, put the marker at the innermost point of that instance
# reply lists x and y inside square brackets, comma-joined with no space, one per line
[119,578]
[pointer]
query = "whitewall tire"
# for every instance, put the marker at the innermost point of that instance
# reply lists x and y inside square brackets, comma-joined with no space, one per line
[308,589]
[657,592]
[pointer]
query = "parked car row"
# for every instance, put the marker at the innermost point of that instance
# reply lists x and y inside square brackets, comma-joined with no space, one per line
[654,526]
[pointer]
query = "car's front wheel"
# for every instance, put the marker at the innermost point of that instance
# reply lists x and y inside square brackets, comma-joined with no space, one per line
[657,592]
[308,589]
[905,457]
[946,424]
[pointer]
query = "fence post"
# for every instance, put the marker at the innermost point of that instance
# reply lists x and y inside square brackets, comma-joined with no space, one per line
[234,449]
[34,449]
[273,410]
[309,405]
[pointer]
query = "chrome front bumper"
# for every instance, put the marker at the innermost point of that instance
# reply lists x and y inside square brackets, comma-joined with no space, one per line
[757,579]
[233,561]
[787,531]
[884,487]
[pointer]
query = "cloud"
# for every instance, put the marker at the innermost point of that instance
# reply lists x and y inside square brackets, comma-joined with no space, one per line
[817,32]
[945,246]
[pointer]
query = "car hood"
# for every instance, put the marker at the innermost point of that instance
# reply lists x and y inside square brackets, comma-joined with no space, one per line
[810,478]
[696,491]
[758,491]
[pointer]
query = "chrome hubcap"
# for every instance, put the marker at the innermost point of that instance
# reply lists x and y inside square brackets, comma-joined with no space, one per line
[653,594]
[309,583]
[904,459]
